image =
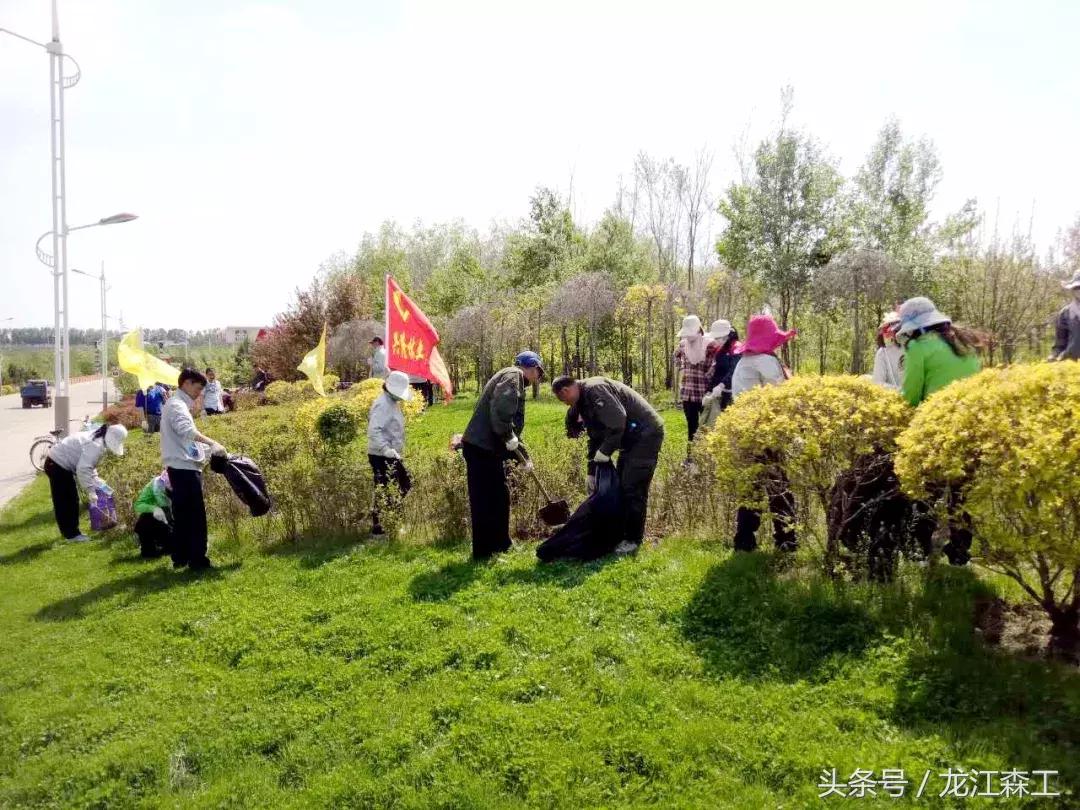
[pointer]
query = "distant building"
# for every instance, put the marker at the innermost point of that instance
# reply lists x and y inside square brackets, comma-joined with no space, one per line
[237,334]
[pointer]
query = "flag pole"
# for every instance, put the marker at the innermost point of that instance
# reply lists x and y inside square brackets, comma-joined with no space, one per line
[386,319]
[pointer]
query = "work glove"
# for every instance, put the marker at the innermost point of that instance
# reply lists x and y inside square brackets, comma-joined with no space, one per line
[512,444]
[218,450]
[590,484]
[91,497]
[106,489]
[392,453]
[601,458]
[159,514]
[528,465]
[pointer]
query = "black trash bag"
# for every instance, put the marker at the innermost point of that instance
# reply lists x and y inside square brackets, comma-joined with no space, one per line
[246,480]
[594,529]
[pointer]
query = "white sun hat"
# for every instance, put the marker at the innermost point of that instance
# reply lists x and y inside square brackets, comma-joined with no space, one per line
[691,325]
[720,329]
[397,383]
[114,439]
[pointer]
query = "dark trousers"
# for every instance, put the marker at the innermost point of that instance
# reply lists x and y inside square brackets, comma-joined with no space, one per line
[489,501]
[427,389]
[782,506]
[635,468]
[155,537]
[65,499]
[189,516]
[693,417]
[958,549]
[387,471]
[153,423]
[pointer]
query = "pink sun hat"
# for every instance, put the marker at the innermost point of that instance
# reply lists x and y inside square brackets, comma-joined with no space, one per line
[764,336]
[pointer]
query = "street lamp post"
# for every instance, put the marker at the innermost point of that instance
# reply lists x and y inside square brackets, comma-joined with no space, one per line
[58,83]
[104,336]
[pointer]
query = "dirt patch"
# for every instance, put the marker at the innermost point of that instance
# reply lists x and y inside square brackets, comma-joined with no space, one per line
[1022,629]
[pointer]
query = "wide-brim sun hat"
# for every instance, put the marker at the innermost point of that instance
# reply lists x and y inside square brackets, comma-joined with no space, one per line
[889,319]
[719,330]
[114,439]
[920,313]
[1073,283]
[397,383]
[691,325]
[764,336]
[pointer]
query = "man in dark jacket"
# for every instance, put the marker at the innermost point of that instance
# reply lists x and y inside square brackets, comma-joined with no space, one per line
[618,418]
[1067,326]
[492,437]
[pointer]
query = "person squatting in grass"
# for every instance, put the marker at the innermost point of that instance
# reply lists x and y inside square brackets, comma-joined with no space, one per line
[386,442]
[183,455]
[491,438]
[618,419]
[936,353]
[153,526]
[758,365]
[693,359]
[75,458]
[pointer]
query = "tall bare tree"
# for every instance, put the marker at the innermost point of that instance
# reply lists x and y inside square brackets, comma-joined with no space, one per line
[697,204]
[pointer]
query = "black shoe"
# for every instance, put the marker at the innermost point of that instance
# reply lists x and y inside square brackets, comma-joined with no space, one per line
[377,531]
[179,562]
[203,564]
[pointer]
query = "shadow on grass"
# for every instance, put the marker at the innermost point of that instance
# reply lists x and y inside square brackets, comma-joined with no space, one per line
[747,621]
[42,518]
[440,585]
[26,553]
[561,573]
[130,588]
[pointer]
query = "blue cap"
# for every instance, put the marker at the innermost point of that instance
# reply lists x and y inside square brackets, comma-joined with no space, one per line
[529,359]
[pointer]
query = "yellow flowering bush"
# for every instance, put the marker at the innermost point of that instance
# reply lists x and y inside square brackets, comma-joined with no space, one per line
[1009,441]
[809,429]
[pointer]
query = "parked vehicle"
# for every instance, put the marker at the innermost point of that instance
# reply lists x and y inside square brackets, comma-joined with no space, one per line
[36,392]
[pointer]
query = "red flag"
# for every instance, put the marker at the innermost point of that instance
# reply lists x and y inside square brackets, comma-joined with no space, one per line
[411,340]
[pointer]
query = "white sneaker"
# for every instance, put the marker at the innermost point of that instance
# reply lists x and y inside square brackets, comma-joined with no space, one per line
[626,547]
[79,538]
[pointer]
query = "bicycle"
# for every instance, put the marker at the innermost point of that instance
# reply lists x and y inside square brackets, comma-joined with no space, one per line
[40,447]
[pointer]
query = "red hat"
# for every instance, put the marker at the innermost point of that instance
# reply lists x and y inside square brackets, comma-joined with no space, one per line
[764,336]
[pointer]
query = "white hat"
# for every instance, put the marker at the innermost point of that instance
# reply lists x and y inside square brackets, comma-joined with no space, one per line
[691,325]
[720,329]
[1073,283]
[920,313]
[889,318]
[397,383]
[114,439]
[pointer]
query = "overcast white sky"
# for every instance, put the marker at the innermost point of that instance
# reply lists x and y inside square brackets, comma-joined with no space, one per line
[254,139]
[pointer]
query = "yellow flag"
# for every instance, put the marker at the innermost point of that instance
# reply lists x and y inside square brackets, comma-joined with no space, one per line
[134,359]
[314,364]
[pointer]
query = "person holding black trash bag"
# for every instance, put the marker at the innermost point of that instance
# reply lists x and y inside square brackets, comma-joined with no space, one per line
[623,421]
[492,437]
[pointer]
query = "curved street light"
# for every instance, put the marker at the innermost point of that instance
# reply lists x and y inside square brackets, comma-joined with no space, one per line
[47,258]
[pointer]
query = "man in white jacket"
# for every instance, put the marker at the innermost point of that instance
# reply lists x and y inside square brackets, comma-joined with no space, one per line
[386,442]
[183,455]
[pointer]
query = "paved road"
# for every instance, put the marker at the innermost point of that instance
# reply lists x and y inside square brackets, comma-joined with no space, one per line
[19,427]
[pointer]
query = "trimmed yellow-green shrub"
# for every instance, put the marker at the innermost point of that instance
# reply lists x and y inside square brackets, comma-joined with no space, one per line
[808,431]
[280,392]
[1008,441]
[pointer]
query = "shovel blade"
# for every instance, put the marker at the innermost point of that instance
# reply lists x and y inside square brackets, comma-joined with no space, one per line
[555,513]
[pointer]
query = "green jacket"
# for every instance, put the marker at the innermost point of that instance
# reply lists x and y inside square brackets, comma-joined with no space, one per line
[619,414]
[500,411]
[930,364]
[152,496]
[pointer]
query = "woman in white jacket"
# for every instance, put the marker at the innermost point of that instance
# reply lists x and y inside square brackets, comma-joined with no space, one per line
[386,442]
[76,458]
[888,365]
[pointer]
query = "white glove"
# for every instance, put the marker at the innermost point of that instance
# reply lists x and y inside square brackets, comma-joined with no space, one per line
[528,465]
[513,443]
[91,497]
[159,514]
[392,453]
[718,390]
[218,449]
[590,484]
[600,458]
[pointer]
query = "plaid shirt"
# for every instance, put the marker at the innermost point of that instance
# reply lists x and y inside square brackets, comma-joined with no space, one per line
[695,376]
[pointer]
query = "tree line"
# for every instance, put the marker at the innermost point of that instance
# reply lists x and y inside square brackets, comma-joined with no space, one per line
[828,254]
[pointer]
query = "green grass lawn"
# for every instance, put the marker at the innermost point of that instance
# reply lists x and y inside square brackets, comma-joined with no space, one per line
[392,674]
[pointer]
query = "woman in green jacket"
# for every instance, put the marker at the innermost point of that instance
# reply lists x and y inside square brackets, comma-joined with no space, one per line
[153,526]
[937,353]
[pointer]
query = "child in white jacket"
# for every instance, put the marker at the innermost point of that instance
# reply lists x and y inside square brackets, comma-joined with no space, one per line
[386,441]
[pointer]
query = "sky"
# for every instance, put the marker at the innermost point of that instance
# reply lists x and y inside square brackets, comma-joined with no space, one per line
[256,139]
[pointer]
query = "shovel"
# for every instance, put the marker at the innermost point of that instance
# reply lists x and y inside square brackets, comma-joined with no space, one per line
[554,513]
